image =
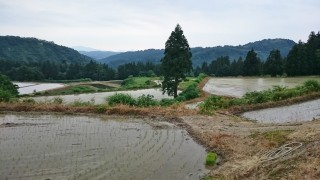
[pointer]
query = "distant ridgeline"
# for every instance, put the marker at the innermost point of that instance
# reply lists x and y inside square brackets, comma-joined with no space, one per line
[30,59]
[15,48]
[200,55]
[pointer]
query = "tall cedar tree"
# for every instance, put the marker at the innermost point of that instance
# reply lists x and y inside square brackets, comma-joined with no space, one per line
[252,64]
[176,62]
[274,64]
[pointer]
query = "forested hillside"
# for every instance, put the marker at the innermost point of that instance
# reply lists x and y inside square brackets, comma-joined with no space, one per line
[14,48]
[200,55]
[98,54]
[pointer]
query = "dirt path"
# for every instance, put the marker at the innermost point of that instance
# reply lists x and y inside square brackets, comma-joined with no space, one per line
[241,145]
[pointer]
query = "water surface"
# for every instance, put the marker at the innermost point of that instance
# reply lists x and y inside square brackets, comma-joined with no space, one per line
[79,147]
[237,87]
[29,88]
[306,111]
[99,98]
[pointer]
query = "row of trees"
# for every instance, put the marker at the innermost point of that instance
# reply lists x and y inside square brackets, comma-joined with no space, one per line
[303,59]
[48,70]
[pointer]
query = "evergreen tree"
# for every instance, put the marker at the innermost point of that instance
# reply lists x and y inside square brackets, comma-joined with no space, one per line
[274,64]
[176,62]
[252,64]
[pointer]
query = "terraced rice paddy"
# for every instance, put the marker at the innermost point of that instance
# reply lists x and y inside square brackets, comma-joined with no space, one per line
[80,147]
[29,88]
[237,87]
[100,98]
[306,111]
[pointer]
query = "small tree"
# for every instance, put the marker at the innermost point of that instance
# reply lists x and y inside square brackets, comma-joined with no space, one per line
[7,89]
[176,62]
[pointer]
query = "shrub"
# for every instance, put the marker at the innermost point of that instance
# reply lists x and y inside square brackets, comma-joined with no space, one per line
[8,90]
[5,96]
[167,102]
[190,92]
[211,158]
[213,102]
[146,100]
[121,99]
[312,85]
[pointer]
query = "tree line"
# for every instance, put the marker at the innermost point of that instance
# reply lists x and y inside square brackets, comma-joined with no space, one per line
[48,70]
[303,59]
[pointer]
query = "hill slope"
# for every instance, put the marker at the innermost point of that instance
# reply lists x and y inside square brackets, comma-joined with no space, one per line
[98,54]
[200,55]
[31,49]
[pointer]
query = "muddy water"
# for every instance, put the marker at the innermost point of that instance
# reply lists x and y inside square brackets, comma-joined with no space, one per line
[29,88]
[99,98]
[79,147]
[237,87]
[295,113]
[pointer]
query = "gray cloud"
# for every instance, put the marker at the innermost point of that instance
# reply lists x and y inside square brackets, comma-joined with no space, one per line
[128,25]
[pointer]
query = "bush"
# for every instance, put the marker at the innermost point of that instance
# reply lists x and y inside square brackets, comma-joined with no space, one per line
[190,92]
[212,103]
[312,85]
[81,103]
[211,158]
[167,102]
[121,99]
[146,100]
[8,90]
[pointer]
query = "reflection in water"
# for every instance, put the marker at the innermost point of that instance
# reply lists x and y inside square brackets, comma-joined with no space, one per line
[237,87]
[78,147]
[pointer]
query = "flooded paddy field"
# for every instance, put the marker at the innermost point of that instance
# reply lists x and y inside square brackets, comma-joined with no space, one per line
[29,88]
[306,111]
[237,87]
[80,147]
[99,98]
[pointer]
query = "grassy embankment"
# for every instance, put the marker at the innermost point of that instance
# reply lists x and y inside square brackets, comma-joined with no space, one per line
[277,96]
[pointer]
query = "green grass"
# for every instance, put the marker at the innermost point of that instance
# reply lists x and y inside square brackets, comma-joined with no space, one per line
[138,83]
[211,158]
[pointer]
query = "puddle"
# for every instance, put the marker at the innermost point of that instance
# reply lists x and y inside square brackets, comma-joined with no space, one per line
[79,147]
[306,111]
[100,98]
[237,87]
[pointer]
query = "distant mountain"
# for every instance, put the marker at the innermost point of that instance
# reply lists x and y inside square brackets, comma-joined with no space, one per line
[200,55]
[97,55]
[83,48]
[16,48]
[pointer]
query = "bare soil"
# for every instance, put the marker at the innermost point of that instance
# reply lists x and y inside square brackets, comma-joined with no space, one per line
[241,145]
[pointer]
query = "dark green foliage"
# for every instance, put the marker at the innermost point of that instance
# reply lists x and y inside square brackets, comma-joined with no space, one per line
[211,158]
[274,64]
[8,90]
[190,92]
[304,58]
[14,48]
[201,55]
[312,85]
[213,103]
[120,98]
[167,102]
[252,64]
[176,62]
[146,100]
[147,69]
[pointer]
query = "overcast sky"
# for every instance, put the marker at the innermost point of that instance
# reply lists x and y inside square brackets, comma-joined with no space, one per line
[120,25]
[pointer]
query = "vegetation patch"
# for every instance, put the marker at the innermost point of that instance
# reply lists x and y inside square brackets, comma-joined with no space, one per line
[211,158]
[139,83]
[277,93]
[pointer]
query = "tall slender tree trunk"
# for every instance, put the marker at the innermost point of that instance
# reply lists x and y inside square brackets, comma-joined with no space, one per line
[175,88]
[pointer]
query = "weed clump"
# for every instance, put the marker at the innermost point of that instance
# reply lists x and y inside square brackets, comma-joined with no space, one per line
[211,158]
[120,98]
